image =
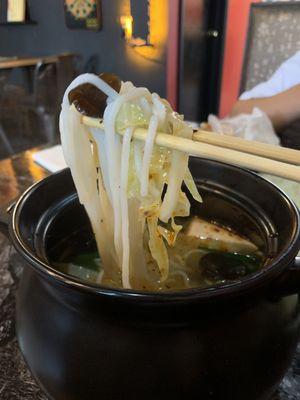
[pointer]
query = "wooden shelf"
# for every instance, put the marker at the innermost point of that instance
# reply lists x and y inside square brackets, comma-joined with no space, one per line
[18,23]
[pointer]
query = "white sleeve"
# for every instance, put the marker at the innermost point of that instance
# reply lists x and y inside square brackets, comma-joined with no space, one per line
[287,76]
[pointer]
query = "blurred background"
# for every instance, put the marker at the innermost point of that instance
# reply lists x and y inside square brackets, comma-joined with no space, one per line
[199,54]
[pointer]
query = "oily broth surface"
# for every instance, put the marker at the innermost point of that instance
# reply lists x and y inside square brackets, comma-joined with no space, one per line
[205,254]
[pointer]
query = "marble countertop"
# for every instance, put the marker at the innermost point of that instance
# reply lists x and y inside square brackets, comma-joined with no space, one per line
[16,381]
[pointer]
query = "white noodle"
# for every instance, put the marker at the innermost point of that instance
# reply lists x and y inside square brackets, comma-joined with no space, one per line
[152,130]
[137,146]
[115,215]
[179,165]
[100,276]
[109,118]
[146,106]
[159,108]
[100,139]
[183,275]
[94,80]
[124,206]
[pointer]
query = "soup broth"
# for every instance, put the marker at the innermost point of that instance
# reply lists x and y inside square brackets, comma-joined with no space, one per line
[205,254]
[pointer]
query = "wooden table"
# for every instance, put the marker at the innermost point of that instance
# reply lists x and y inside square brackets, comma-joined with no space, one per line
[17,173]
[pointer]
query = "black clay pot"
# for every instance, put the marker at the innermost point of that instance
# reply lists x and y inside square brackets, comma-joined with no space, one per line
[233,342]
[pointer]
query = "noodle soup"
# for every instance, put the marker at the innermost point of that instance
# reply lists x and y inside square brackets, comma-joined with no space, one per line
[138,195]
[205,254]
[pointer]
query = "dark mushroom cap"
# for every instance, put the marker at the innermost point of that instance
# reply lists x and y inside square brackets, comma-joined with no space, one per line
[89,100]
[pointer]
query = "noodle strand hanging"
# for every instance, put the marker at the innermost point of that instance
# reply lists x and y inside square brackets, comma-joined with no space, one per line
[121,182]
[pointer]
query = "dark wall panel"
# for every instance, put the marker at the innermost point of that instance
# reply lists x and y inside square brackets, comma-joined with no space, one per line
[52,36]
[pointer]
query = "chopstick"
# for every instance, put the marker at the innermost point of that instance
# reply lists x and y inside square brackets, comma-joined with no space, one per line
[212,152]
[249,146]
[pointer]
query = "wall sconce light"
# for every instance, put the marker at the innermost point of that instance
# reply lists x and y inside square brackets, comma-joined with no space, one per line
[127,22]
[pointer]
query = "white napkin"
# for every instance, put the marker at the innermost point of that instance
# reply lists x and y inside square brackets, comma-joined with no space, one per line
[193,124]
[51,159]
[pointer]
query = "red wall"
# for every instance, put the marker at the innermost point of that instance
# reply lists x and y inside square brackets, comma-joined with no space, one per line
[236,33]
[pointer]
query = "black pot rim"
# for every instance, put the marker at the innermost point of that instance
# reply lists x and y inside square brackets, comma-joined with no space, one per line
[280,263]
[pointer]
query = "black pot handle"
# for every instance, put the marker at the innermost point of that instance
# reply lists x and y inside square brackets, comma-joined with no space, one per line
[288,283]
[5,218]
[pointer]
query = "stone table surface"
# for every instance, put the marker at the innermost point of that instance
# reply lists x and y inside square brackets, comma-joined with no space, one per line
[16,381]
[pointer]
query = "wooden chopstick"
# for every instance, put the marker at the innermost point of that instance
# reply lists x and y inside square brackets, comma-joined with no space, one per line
[252,147]
[212,152]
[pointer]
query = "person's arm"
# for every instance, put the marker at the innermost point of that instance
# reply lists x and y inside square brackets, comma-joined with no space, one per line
[282,109]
